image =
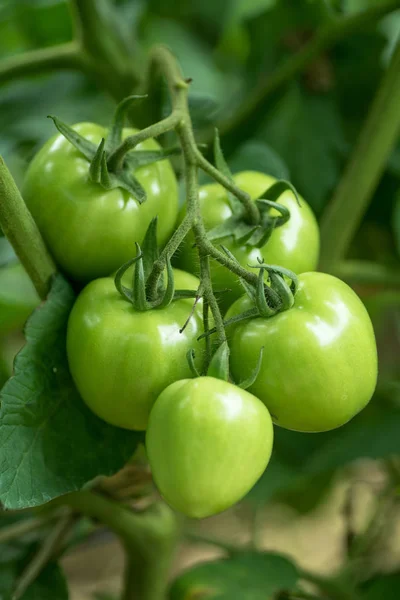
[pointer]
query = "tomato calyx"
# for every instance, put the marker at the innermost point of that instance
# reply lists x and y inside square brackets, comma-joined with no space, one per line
[219,366]
[100,169]
[243,232]
[146,256]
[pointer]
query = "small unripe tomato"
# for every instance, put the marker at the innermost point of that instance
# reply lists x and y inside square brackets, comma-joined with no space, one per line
[208,442]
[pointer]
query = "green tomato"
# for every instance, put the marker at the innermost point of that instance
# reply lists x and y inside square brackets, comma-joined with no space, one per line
[121,359]
[295,245]
[89,230]
[208,442]
[319,366]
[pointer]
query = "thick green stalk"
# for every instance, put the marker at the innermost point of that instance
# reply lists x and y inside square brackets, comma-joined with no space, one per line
[246,120]
[378,136]
[64,56]
[21,230]
[149,539]
[109,54]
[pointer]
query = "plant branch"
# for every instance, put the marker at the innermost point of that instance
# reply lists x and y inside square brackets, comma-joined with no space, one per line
[242,125]
[17,530]
[117,157]
[64,56]
[250,207]
[149,539]
[378,136]
[19,227]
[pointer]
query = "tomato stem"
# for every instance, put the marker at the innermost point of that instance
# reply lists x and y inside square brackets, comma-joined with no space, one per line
[21,230]
[149,539]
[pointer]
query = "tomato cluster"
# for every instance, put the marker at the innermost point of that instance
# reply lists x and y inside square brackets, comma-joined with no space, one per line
[207,439]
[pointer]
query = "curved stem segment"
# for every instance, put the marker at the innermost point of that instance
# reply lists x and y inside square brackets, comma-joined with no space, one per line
[361,177]
[64,56]
[149,539]
[21,230]
[162,60]
[245,122]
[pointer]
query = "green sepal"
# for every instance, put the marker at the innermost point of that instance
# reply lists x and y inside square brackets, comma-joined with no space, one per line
[114,137]
[262,234]
[139,283]
[264,205]
[88,149]
[190,356]
[219,365]
[248,314]
[128,182]
[122,289]
[276,190]
[224,229]
[169,292]
[141,158]
[105,178]
[221,164]
[262,305]
[150,247]
[280,271]
[283,290]
[246,383]
[95,165]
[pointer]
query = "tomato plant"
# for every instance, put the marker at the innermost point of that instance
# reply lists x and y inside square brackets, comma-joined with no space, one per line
[202,432]
[320,363]
[294,245]
[90,230]
[139,391]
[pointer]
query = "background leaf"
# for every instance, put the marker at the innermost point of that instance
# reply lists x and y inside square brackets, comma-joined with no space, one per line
[50,443]
[244,576]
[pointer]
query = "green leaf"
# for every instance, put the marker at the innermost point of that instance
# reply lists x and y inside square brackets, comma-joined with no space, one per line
[50,443]
[385,587]
[50,584]
[204,109]
[244,576]
[259,156]
[306,130]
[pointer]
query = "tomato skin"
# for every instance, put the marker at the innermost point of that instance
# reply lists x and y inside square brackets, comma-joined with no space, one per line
[208,442]
[295,245]
[319,366]
[121,359]
[89,230]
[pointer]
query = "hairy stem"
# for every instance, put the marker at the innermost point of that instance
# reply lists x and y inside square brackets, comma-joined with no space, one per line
[250,207]
[19,227]
[378,136]
[117,157]
[244,123]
